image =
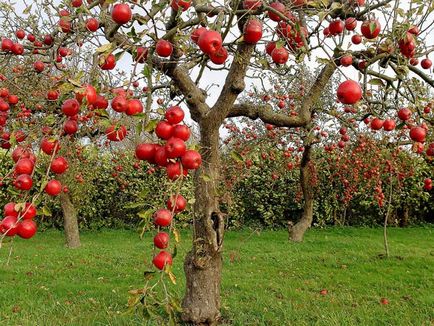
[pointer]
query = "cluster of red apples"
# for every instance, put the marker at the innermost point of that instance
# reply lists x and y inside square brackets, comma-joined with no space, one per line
[174,156]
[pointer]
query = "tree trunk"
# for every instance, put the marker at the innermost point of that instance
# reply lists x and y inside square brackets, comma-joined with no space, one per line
[203,264]
[403,216]
[298,230]
[70,222]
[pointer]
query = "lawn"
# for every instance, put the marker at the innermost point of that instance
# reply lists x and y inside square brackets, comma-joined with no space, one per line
[266,279]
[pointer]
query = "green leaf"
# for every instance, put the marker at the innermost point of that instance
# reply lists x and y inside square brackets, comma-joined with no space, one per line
[151,125]
[105,48]
[145,214]
[237,156]
[133,205]
[372,27]
[206,178]
[46,211]
[27,10]
[176,235]
[119,55]
[147,72]
[139,116]
[323,60]
[376,82]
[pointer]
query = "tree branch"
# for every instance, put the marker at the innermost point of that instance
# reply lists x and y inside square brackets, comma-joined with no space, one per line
[234,83]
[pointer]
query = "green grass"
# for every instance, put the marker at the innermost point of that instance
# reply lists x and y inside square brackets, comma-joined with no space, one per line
[266,279]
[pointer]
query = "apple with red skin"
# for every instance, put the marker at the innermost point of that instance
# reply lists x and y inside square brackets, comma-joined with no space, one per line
[162,217]
[418,134]
[9,210]
[119,103]
[121,13]
[252,4]
[21,152]
[65,24]
[9,226]
[27,229]
[336,27]
[6,45]
[160,157]
[350,23]
[146,151]
[280,7]
[183,4]
[197,32]
[162,259]
[426,63]
[384,301]
[176,203]
[88,92]
[377,124]
[23,182]
[59,165]
[53,187]
[346,60]
[191,160]
[39,66]
[389,125]
[252,32]
[161,240]
[164,48]
[24,166]
[174,115]
[182,132]
[116,133]
[134,107]
[349,92]
[20,34]
[175,170]
[175,147]
[270,47]
[71,107]
[17,49]
[4,106]
[210,41]
[356,39]
[370,28]
[323,292]
[70,127]
[404,114]
[220,56]
[164,130]
[279,55]
[141,54]
[92,24]
[13,99]
[107,62]
[52,95]
[28,212]
[100,102]
[76,3]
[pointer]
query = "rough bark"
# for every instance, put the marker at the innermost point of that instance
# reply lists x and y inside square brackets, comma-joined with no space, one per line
[203,264]
[298,230]
[70,223]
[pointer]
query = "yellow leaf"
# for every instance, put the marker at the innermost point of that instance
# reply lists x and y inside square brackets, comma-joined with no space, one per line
[176,235]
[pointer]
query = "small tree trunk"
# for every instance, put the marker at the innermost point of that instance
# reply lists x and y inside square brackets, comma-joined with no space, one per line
[70,222]
[403,216]
[298,230]
[203,264]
